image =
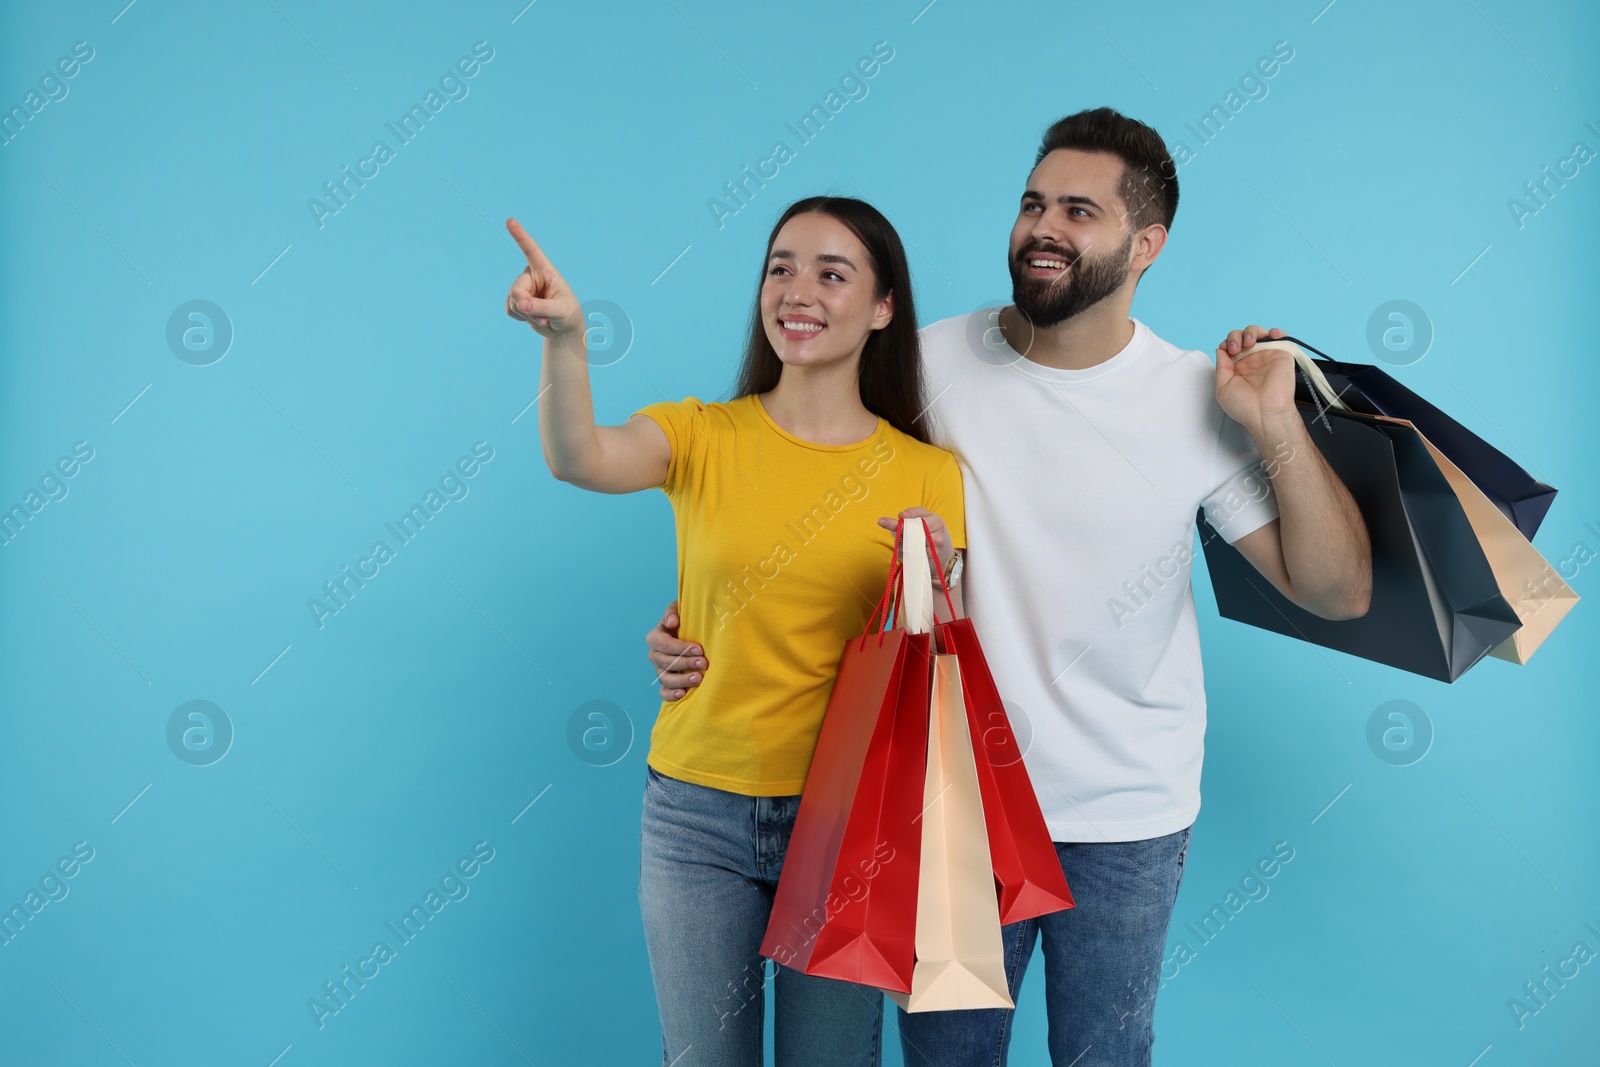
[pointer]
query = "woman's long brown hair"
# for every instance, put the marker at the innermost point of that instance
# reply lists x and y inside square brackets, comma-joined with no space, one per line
[890,377]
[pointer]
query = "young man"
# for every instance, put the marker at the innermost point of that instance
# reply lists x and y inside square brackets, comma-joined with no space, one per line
[1086,444]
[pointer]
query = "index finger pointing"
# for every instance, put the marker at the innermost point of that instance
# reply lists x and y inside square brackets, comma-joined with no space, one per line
[530,248]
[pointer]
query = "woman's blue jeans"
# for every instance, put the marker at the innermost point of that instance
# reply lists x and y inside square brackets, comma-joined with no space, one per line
[709,865]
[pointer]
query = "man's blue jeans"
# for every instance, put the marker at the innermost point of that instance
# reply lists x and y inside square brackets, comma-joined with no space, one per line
[1102,964]
[709,865]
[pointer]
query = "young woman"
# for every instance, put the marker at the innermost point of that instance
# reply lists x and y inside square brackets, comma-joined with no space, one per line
[782,552]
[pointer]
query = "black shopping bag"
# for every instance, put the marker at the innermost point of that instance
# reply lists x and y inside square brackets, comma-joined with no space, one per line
[1521,497]
[1436,608]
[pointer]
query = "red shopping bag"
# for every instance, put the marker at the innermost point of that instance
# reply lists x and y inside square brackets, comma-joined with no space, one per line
[846,905]
[1027,871]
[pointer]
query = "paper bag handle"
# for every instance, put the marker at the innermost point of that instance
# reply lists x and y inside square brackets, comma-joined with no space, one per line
[909,588]
[1315,380]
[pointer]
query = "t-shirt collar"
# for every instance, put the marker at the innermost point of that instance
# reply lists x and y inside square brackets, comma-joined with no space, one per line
[1129,353]
[876,435]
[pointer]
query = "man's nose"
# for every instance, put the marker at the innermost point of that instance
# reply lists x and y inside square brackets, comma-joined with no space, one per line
[1046,231]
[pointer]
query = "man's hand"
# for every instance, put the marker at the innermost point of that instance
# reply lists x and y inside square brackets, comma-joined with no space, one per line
[1317,552]
[678,663]
[1257,391]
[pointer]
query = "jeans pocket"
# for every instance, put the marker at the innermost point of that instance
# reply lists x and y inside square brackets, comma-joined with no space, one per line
[664,793]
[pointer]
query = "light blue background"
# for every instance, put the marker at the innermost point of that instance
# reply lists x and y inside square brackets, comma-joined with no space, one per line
[374,751]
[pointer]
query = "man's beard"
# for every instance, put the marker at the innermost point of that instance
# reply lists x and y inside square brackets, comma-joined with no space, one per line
[1044,303]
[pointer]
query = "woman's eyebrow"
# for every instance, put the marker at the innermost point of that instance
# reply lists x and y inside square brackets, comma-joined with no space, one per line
[823,257]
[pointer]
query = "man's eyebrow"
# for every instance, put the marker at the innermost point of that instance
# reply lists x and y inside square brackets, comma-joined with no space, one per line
[784,253]
[1064,201]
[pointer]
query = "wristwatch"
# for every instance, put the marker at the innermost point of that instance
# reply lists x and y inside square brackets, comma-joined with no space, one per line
[953,574]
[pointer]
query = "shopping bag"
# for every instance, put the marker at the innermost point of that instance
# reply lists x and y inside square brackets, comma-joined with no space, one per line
[1027,871]
[1436,608]
[1532,587]
[846,902]
[1518,495]
[960,956]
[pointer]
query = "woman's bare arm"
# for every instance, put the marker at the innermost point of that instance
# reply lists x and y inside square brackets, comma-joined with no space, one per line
[605,459]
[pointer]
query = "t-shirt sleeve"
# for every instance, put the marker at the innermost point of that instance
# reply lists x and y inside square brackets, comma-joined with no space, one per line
[940,367]
[946,500]
[679,420]
[1243,500]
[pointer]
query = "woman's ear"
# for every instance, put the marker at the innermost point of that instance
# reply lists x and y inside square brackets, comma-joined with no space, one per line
[885,312]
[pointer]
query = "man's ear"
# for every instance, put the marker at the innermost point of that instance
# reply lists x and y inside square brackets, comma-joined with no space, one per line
[885,313]
[1147,246]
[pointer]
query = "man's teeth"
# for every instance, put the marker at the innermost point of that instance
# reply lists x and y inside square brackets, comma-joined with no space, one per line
[1055,264]
[803,327]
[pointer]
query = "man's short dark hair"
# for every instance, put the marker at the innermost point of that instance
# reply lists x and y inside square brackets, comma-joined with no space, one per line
[1149,185]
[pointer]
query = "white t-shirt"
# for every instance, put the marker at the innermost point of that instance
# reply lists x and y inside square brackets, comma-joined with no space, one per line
[1081,488]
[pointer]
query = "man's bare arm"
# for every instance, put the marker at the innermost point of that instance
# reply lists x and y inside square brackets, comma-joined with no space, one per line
[1317,552]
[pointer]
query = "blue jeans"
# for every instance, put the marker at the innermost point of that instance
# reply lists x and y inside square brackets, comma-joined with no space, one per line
[1102,964]
[709,865]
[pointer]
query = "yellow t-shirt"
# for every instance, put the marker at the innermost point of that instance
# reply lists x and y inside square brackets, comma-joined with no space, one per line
[780,562]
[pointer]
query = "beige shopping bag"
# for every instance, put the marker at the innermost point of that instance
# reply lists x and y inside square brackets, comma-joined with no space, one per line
[960,957]
[1526,579]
